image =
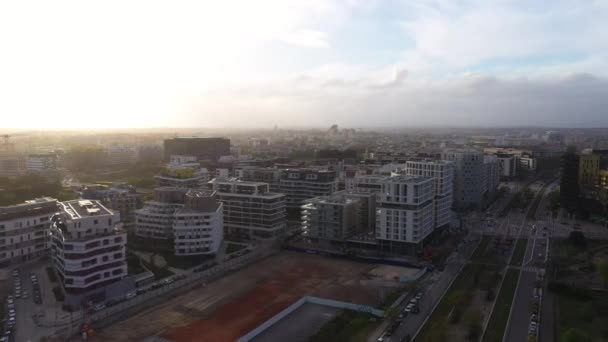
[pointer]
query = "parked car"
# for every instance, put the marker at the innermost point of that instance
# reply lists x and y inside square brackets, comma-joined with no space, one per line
[130,295]
[99,307]
[418,296]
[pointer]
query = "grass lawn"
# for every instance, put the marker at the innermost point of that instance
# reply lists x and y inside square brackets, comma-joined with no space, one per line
[587,317]
[519,252]
[349,326]
[233,247]
[159,273]
[481,249]
[502,308]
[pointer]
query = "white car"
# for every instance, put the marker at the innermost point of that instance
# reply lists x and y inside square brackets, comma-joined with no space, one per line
[99,307]
[130,295]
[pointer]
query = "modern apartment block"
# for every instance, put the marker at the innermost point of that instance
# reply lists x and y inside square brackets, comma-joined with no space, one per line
[88,247]
[368,183]
[260,174]
[24,230]
[507,166]
[442,171]
[251,210]
[336,217]
[188,221]
[491,177]
[205,149]
[468,176]
[405,213]
[299,185]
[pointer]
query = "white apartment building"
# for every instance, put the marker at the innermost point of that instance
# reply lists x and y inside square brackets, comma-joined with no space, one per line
[405,212]
[299,185]
[468,176]
[442,171]
[251,210]
[88,246]
[507,166]
[24,230]
[188,221]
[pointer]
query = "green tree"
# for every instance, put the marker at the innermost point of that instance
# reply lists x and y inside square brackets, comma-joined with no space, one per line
[575,335]
[472,320]
[603,270]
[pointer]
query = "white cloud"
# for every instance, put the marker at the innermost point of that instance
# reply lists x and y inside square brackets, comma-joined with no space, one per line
[306,38]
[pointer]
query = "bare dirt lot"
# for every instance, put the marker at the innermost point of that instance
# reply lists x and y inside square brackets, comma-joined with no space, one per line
[230,307]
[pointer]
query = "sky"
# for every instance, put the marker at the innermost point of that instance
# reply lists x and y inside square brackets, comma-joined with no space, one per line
[309,63]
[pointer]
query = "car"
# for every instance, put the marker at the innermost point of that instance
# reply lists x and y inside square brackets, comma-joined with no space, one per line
[418,296]
[99,307]
[131,295]
[406,338]
[380,339]
[533,318]
[415,310]
[25,295]
[413,301]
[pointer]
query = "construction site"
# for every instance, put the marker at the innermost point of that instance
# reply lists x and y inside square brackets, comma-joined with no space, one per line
[230,307]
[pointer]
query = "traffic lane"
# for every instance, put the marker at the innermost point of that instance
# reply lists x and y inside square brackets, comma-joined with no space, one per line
[517,331]
[547,318]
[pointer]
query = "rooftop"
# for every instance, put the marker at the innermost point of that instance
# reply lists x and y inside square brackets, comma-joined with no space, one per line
[82,208]
[407,179]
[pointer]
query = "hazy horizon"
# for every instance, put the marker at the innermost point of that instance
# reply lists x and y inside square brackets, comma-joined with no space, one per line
[303,64]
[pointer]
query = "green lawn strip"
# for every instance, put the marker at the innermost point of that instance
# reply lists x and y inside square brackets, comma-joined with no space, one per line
[345,327]
[233,247]
[464,283]
[587,317]
[519,252]
[502,308]
[481,249]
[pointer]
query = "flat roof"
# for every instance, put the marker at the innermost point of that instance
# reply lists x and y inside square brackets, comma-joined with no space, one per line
[299,325]
[81,208]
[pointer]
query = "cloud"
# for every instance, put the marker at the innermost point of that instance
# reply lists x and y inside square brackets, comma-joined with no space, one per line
[306,38]
[579,100]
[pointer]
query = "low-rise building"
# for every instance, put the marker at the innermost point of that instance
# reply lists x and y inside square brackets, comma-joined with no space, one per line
[24,230]
[183,174]
[251,210]
[120,197]
[368,183]
[336,217]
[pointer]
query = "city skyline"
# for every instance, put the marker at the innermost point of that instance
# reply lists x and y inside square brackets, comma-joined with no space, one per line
[303,64]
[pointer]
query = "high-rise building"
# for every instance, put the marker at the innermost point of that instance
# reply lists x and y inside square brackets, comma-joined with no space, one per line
[187,221]
[25,230]
[588,172]
[251,211]
[88,246]
[299,185]
[491,177]
[569,186]
[507,165]
[405,213]
[442,171]
[468,176]
[205,149]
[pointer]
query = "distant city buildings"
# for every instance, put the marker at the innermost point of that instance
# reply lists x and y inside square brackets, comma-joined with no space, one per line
[24,230]
[204,149]
[121,155]
[119,197]
[251,211]
[186,221]
[42,162]
[183,172]
[268,175]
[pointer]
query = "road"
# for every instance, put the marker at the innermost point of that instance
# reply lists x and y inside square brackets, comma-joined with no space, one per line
[435,287]
[538,233]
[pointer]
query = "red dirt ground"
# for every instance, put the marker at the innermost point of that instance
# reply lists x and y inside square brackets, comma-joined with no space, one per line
[302,275]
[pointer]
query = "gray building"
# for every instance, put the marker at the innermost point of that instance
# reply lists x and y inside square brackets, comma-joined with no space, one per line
[251,210]
[299,185]
[336,217]
[204,149]
[469,173]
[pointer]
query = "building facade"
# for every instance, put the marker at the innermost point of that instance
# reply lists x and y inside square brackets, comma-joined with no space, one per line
[336,217]
[119,197]
[41,162]
[24,230]
[186,221]
[442,171]
[369,183]
[251,210]
[260,174]
[405,212]
[299,185]
[468,176]
[88,246]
